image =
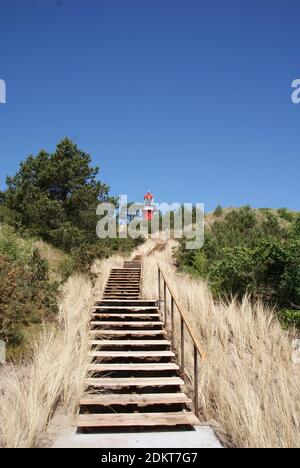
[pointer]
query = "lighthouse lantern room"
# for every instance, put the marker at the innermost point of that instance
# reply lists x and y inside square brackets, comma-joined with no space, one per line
[148,206]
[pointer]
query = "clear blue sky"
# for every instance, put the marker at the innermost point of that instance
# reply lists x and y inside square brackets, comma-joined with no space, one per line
[187,98]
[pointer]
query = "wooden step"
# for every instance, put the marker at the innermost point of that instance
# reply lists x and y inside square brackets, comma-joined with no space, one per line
[144,399]
[128,354]
[118,295]
[134,382]
[124,269]
[126,281]
[119,274]
[131,308]
[126,277]
[138,302]
[127,332]
[115,295]
[128,324]
[168,366]
[124,315]
[125,285]
[130,343]
[137,419]
[122,293]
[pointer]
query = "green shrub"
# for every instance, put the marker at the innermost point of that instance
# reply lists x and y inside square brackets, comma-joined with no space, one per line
[286,214]
[290,318]
[218,211]
[233,274]
[25,298]
[14,247]
[248,253]
[66,268]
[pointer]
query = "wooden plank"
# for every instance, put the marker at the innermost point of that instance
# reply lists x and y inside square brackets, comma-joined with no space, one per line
[121,291]
[124,315]
[123,284]
[139,301]
[122,281]
[137,419]
[125,277]
[128,332]
[133,382]
[129,343]
[123,269]
[168,366]
[122,294]
[117,296]
[129,324]
[131,308]
[128,354]
[144,399]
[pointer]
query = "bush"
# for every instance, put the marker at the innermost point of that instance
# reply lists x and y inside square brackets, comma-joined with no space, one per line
[218,211]
[290,318]
[249,253]
[13,247]
[26,297]
[285,214]
[233,275]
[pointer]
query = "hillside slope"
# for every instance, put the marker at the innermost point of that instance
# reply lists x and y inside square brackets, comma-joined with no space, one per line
[249,385]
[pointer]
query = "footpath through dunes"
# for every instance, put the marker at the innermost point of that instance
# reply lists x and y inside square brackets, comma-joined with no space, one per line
[134,380]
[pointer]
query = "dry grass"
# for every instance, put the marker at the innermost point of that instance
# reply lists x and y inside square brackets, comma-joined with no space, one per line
[54,374]
[54,257]
[249,387]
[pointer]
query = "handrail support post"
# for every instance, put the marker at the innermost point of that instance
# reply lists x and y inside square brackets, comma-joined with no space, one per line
[159,289]
[196,380]
[182,344]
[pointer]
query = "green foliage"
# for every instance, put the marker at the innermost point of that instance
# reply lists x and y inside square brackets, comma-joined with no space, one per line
[290,318]
[233,274]
[218,211]
[13,247]
[55,195]
[26,296]
[286,214]
[249,253]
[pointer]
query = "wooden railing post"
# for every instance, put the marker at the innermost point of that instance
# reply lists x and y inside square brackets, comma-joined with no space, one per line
[182,344]
[172,322]
[165,302]
[159,289]
[184,323]
[196,377]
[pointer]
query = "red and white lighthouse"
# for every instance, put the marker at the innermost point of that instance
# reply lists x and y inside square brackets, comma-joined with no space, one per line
[148,206]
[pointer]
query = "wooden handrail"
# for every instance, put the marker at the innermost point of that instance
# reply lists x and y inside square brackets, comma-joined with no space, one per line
[184,316]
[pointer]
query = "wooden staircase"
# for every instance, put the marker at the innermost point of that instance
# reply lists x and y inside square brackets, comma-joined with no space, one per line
[134,381]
